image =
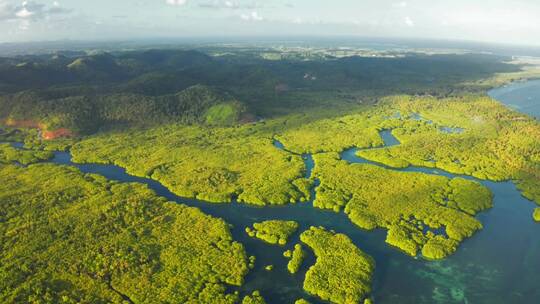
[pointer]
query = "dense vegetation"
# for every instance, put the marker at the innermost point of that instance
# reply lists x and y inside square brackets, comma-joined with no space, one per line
[86,114]
[536,214]
[10,134]
[296,257]
[211,164]
[497,144]
[232,154]
[494,142]
[273,231]
[9,154]
[254,298]
[189,159]
[342,273]
[142,89]
[409,205]
[88,92]
[67,237]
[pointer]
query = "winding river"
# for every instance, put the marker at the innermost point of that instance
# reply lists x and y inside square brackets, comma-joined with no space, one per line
[499,264]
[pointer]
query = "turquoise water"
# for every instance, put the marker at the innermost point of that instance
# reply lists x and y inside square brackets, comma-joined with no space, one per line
[499,264]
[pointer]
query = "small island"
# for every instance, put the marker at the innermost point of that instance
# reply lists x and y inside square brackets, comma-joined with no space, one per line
[273,231]
[296,258]
[342,273]
[254,298]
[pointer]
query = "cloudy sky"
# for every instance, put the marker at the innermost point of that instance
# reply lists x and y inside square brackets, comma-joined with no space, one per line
[515,21]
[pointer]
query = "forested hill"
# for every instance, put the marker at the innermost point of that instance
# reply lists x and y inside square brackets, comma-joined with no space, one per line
[101,69]
[85,114]
[83,92]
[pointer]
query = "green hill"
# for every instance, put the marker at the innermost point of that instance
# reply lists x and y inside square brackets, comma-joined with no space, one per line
[86,114]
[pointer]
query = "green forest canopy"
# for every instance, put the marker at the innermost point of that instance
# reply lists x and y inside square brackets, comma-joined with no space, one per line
[409,205]
[88,92]
[77,238]
[273,231]
[342,273]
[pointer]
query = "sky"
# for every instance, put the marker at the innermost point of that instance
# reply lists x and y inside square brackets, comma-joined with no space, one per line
[503,21]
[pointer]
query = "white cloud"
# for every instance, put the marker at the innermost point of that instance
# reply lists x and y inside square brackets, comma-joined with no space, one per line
[409,22]
[24,13]
[30,12]
[229,4]
[177,2]
[402,4]
[253,16]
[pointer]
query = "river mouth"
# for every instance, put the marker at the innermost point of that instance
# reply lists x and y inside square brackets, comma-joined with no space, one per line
[499,264]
